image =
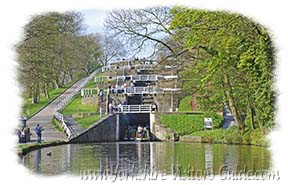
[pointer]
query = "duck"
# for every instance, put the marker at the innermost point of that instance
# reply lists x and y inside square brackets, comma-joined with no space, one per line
[49,153]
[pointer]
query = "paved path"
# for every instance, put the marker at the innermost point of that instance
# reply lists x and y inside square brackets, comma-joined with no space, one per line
[75,128]
[45,116]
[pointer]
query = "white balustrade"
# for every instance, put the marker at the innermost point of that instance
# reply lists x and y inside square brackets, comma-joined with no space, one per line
[88,92]
[134,109]
[66,129]
[140,90]
[144,77]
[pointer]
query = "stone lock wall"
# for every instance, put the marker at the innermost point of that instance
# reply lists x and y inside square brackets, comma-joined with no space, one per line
[161,132]
[109,129]
[104,130]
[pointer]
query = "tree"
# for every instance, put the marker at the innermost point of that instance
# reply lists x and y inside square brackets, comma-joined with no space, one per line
[139,28]
[90,52]
[235,62]
[112,48]
[49,52]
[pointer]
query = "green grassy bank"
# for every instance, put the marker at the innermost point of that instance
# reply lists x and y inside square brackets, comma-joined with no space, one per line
[76,106]
[186,124]
[232,136]
[28,109]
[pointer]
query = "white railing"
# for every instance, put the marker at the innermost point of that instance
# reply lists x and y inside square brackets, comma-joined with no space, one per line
[143,90]
[67,99]
[134,109]
[167,77]
[88,92]
[66,129]
[144,77]
[136,66]
[100,79]
[140,90]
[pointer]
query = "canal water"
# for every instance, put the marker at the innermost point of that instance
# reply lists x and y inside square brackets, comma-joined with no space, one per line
[151,158]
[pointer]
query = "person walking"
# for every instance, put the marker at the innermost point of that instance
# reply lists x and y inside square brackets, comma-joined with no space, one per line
[101,95]
[38,130]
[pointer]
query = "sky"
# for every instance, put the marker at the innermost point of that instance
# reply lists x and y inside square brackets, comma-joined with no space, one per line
[14,14]
[94,19]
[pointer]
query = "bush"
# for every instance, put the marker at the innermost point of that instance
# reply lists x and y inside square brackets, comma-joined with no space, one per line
[211,136]
[258,138]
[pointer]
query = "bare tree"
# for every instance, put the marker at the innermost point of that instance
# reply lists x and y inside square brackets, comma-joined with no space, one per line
[139,28]
[112,47]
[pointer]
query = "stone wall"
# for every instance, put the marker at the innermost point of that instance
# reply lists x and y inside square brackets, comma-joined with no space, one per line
[165,100]
[105,130]
[193,139]
[159,131]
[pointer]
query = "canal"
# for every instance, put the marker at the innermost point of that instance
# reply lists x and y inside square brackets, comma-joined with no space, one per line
[132,158]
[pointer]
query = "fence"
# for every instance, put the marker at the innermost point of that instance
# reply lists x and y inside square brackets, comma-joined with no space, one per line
[137,66]
[140,90]
[134,109]
[66,129]
[88,92]
[144,77]
[101,79]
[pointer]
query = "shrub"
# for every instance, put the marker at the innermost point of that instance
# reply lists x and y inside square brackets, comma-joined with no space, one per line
[258,138]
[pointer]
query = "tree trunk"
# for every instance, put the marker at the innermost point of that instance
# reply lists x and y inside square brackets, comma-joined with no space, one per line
[251,112]
[252,118]
[47,91]
[231,103]
[56,84]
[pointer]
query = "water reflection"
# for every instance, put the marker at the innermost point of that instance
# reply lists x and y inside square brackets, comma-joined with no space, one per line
[147,158]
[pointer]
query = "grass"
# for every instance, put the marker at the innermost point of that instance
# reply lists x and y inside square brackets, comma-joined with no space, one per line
[183,124]
[75,106]
[90,84]
[88,121]
[184,105]
[186,124]
[57,125]
[29,109]
[232,136]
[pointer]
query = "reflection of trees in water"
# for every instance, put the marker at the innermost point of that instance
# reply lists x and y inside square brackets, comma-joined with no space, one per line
[37,161]
[208,158]
[231,158]
[139,158]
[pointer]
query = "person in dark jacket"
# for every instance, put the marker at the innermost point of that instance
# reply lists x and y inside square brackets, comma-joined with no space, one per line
[38,130]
